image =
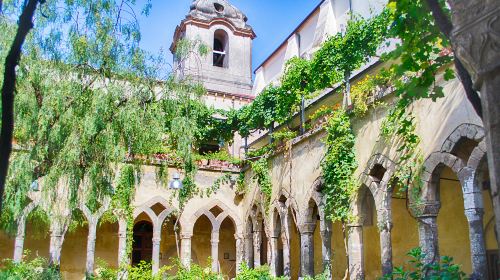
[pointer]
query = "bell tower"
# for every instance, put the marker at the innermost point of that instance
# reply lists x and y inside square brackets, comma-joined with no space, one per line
[227,70]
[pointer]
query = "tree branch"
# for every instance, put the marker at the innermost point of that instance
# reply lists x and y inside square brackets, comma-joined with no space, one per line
[442,20]
[445,26]
[9,85]
[471,94]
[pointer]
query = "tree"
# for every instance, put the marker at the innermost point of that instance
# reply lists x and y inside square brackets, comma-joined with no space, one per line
[8,87]
[425,24]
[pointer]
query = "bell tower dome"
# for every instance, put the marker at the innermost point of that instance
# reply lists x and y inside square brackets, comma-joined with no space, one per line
[227,69]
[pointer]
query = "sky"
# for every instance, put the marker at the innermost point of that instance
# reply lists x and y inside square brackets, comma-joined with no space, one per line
[272,21]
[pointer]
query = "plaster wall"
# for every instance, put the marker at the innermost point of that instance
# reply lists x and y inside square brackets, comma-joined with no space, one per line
[74,253]
[36,241]
[453,229]
[404,232]
[200,242]
[339,254]
[106,246]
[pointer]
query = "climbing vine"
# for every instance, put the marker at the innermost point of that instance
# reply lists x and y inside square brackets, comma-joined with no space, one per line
[399,127]
[122,201]
[262,177]
[338,166]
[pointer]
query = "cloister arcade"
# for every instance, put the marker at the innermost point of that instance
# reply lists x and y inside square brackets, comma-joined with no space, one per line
[295,239]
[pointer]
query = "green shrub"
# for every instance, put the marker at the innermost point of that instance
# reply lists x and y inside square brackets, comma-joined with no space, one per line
[259,273]
[445,269]
[144,271]
[37,269]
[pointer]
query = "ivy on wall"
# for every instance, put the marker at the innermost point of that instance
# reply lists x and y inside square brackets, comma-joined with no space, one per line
[399,127]
[261,169]
[338,166]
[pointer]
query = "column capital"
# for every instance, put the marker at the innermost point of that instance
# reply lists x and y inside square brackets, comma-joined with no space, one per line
[307,228]
[425,209]
[473,36]
[156,240]
[186,235]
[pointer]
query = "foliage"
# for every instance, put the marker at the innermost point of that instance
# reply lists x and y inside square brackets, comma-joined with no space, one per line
[82,102]
[399,127]
[368,87]
[326,275]
[283,135]
[194,272]
[143,271]
[36,269]
[221,156]
[89,104]
[222,180]
[323,111]
[445,269]
[260,168]
[341,54]
[421,52]
[260,273]
[241,187]
[338,166]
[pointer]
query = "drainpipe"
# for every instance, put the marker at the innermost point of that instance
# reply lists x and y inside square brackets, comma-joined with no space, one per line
[302,115]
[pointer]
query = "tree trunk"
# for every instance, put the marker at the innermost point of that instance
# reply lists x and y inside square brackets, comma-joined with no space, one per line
[9,84]
[445,26]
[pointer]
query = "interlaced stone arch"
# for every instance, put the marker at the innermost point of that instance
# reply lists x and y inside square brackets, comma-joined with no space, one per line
[466,169]
[157,220]
[374,180]
[187,223]
[466,130]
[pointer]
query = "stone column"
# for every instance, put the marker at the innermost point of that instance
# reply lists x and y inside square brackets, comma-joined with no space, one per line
[428,235]
[355,250]
[239,252]
[19,242]
[286,255]
[56,240]
[89,268]
[156,250]
[474,211]
[285,239]
[475,41]
[186,249]
[385,227]
[249,249]
[257,242]
[273,250]
[326,245]
[477,243]
[122,243]
[307,249]
[215,251]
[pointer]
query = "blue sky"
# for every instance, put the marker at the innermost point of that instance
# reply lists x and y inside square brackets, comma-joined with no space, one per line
[272,21]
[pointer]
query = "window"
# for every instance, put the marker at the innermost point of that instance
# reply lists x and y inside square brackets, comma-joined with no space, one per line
[220,48]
